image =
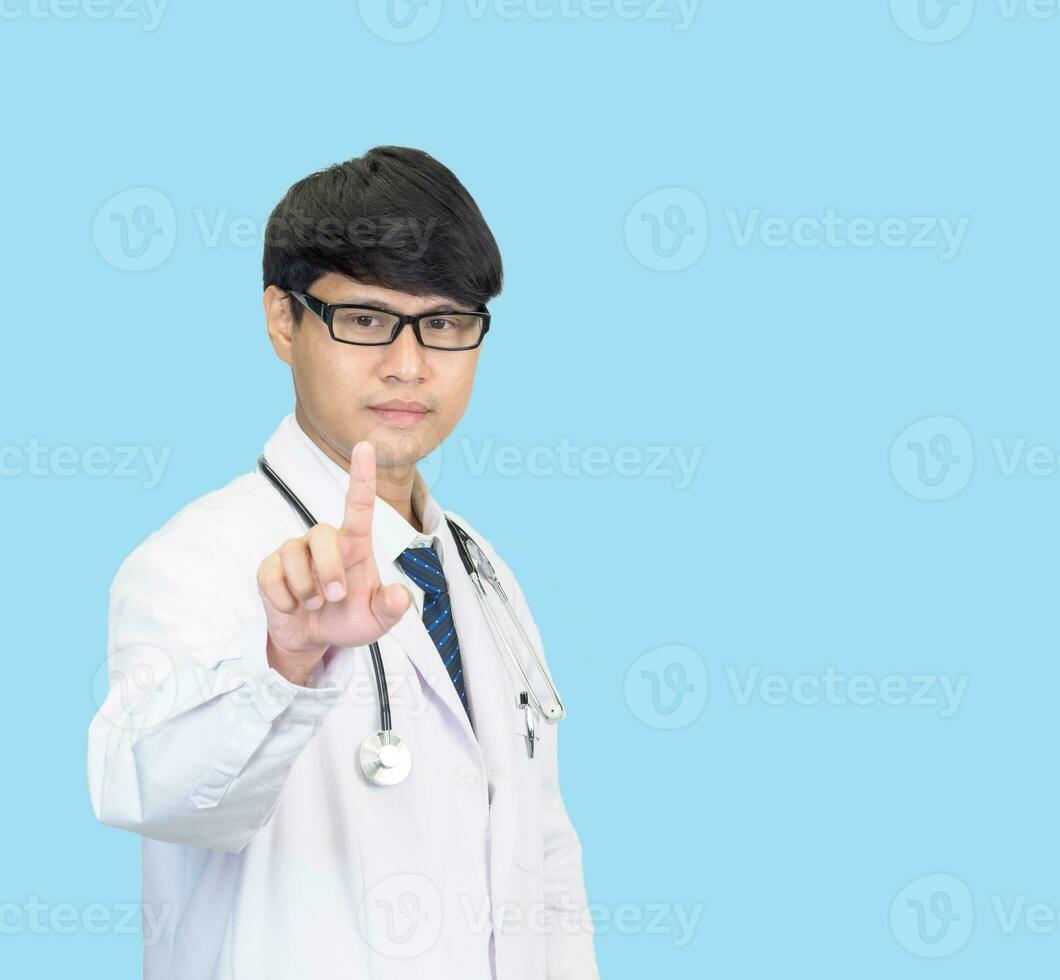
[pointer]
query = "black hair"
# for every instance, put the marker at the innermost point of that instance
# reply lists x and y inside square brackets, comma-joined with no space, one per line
[394,217]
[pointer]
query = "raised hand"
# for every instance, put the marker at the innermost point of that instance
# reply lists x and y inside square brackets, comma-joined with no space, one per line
[323,589]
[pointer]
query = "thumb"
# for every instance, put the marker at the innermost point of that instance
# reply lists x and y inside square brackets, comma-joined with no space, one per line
[389,604]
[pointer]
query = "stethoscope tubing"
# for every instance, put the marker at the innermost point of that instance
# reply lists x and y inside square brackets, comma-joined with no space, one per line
[466,546]
[381,686]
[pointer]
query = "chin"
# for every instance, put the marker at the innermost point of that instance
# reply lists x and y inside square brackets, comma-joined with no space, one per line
[397,448]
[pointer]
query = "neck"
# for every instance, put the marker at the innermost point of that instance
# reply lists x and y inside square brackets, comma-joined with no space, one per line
[394,484]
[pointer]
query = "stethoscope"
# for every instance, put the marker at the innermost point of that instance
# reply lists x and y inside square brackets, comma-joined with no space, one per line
[385,759]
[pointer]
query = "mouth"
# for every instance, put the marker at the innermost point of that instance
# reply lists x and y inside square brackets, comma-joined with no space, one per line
[402,414]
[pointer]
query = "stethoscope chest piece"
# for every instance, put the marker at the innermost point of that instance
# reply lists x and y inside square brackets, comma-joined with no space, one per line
[385,759]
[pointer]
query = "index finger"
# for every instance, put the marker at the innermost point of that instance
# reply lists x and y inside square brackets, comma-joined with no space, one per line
[360,499]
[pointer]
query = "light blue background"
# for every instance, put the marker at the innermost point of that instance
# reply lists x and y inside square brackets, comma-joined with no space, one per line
[803,542]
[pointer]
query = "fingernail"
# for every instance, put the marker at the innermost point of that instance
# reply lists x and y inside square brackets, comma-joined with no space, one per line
[315,603]
[334,590]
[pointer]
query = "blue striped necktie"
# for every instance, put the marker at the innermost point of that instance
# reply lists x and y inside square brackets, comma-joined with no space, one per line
[424,568]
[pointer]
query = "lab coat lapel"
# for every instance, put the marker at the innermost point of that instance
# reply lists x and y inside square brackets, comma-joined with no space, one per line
[488,686]
[308,477]
[411,635]
[493,706]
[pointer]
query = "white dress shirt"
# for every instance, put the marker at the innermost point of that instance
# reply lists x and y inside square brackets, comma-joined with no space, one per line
[267,854]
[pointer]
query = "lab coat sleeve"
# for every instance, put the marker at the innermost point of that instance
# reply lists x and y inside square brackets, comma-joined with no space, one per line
[196,733]
[569,929]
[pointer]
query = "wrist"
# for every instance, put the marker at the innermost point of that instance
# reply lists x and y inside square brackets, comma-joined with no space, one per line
[292,666]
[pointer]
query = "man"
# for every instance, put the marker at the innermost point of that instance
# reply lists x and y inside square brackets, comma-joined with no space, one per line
[242,683]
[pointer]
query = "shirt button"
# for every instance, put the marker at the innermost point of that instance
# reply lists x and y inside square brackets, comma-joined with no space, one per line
[467,774]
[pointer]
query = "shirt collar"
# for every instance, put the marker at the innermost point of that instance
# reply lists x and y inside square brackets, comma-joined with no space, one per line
[390,531]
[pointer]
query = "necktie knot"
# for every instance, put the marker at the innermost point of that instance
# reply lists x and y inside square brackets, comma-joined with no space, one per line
[424,568]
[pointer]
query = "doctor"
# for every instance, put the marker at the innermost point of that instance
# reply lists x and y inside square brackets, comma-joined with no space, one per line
[241,679]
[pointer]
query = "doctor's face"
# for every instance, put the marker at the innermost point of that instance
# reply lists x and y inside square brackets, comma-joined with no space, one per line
[346,393]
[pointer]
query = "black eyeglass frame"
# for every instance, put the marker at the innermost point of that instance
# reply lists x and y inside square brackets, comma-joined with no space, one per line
[326,312]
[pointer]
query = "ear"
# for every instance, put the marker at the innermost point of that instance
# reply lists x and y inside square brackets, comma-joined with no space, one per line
[279,322]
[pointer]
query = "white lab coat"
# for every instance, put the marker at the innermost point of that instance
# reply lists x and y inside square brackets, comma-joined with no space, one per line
[267,855]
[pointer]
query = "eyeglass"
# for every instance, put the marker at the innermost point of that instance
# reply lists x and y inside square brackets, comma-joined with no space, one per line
[372,326]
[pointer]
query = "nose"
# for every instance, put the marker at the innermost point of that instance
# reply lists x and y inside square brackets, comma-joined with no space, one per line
[403,358]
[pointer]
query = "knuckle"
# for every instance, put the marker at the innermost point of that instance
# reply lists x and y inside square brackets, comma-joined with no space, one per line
[321,532]
[282,600]
[291,548]
[304,589]
[269,571]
